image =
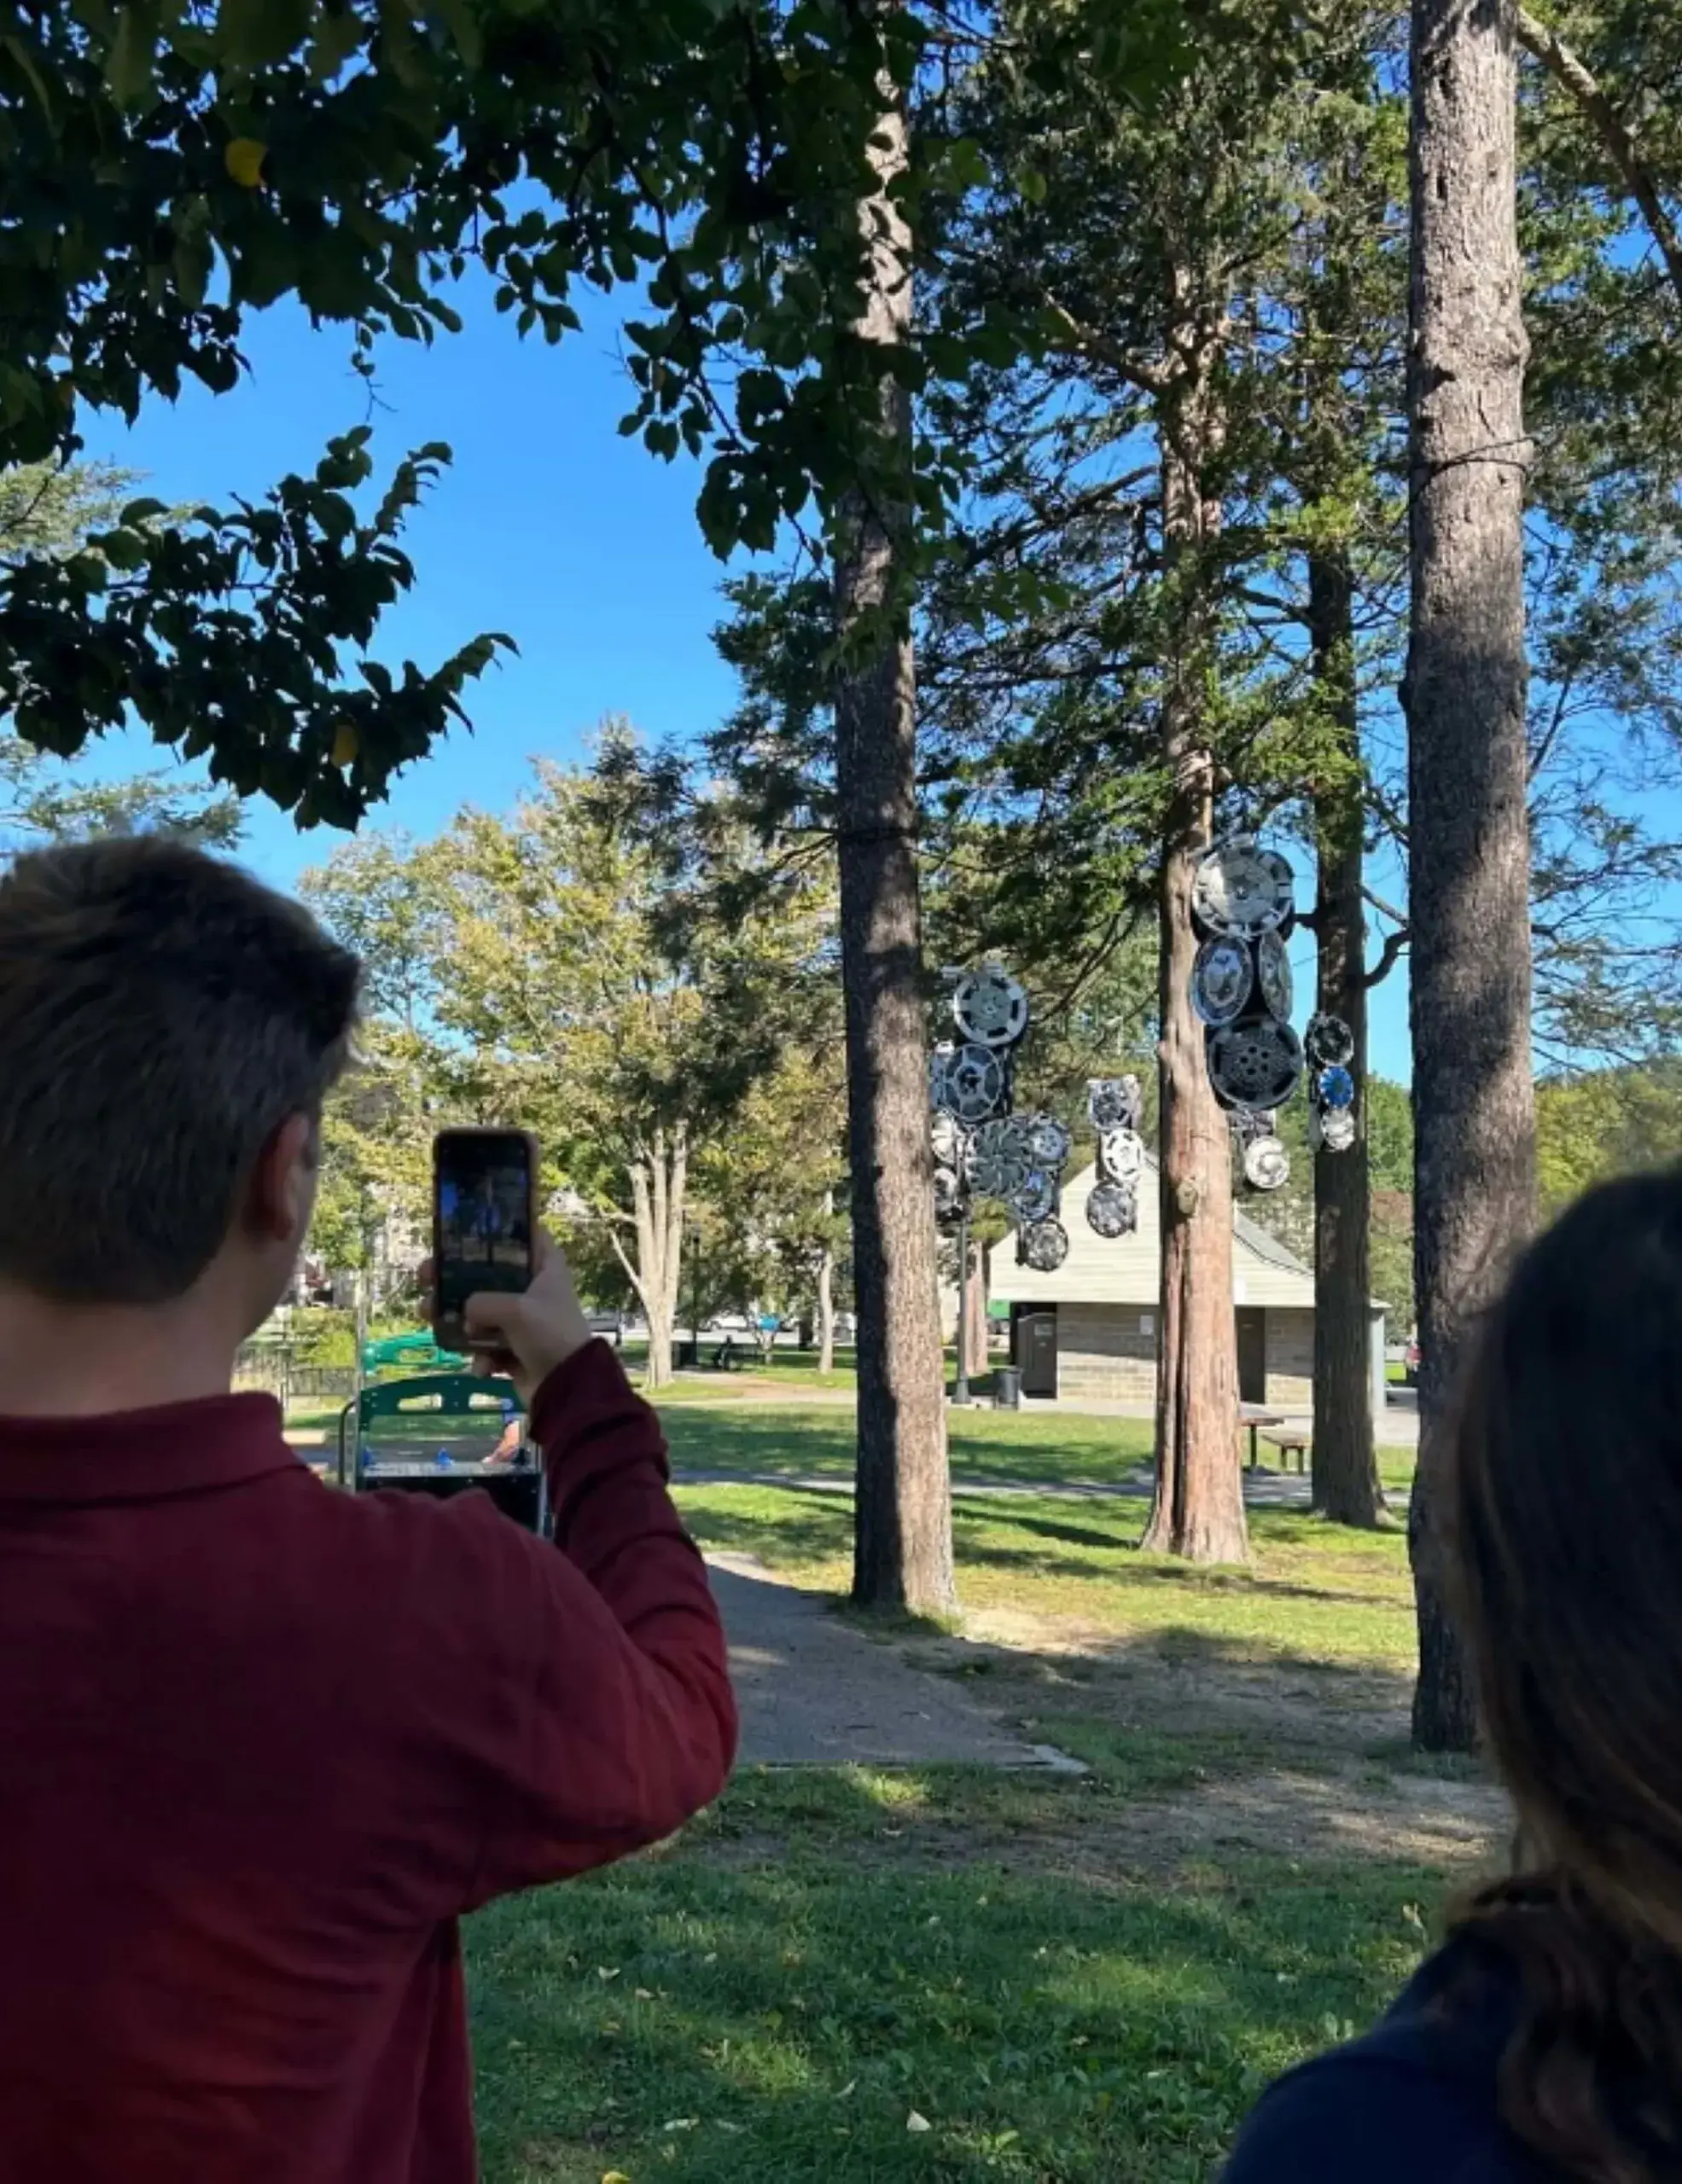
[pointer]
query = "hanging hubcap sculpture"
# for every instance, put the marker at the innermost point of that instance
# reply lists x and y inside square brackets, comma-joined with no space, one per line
[1221,980]
[999,1159]
[1254,1065]
[1267,1165]
[976,1084]
[1045,1246]
[1112,1210]
[1243,890]
[990,1009]
[979,1145]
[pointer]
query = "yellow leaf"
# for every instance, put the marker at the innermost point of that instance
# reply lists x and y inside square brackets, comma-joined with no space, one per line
[243,159]
[345,745]
[616,2177]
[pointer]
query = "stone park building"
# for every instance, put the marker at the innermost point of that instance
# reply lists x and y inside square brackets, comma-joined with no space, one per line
[1089,1330]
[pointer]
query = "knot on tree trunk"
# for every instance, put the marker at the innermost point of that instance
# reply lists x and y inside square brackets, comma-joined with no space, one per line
[1189,1196]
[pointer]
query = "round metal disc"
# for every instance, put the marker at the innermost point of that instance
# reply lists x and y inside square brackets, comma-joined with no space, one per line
[998,1159]
[1267,1165]
[1112,1210]
[974,1084]
[1114,1103]
[940,1076]
[990,1008]
[1037,1199]
[1243,889]
[1121,1155]
[1254,1065]
[1334,1088]
[1221,980]
[1045,1246]
[1273,976]
[1049,1141]
[1337,1128]
[1329,1041]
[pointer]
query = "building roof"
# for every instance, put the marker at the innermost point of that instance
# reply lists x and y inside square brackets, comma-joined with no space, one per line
[1127,1271]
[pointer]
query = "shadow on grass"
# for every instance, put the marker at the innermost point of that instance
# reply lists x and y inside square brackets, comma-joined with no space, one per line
[777,1996]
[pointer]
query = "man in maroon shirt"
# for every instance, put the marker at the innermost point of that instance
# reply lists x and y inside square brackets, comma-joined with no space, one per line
[261,1744]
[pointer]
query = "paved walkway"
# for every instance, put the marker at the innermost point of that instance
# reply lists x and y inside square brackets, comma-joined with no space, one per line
[814,1692]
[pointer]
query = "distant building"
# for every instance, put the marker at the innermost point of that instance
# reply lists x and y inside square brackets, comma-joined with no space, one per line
[1092,1328]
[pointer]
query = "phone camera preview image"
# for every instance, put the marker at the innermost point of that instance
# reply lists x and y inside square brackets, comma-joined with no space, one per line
[484,1219]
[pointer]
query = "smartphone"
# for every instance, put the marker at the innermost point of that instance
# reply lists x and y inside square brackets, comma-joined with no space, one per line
[484,1221]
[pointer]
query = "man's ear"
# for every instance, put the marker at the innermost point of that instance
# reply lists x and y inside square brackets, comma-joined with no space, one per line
[283,1186]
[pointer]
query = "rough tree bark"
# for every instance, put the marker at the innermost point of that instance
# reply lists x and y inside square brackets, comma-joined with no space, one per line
[659,1190]
[1346,1487]
[1199,1507]
[1464,696]
[902,1546]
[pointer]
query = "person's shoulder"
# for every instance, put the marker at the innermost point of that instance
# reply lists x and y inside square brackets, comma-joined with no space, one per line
[1417,2096]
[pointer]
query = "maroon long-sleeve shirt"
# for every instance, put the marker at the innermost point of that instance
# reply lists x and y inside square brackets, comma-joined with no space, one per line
[261,1744]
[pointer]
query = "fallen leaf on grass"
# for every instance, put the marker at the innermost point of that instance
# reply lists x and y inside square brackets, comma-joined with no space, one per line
[915,2123]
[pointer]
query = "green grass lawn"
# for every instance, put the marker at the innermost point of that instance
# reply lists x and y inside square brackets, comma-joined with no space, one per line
[1053,1975]
[1314,1592]
[1032,1448]
[827,1980]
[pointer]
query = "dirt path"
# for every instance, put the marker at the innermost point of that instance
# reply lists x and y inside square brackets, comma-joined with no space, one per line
[814,1692]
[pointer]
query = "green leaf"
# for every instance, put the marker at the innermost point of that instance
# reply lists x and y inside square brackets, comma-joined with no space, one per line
[256,33]
[463,25]
[130,64]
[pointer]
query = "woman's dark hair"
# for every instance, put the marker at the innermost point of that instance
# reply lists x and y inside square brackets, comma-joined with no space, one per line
[1565,1517]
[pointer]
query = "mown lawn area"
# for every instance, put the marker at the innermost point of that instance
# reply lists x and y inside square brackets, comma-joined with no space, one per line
[786,1440]
[966,1977]
[827,1979]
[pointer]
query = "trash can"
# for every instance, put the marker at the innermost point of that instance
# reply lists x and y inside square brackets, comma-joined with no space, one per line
[1007,1387]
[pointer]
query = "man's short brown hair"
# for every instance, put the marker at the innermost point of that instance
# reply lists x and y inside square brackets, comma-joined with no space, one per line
[161,1015]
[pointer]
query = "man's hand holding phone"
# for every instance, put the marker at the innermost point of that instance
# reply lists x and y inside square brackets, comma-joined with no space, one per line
[527,1336]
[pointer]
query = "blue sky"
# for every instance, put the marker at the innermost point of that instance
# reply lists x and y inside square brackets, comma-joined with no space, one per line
[579,544]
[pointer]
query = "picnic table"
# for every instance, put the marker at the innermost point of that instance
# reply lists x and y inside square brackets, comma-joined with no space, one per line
[1256,1415]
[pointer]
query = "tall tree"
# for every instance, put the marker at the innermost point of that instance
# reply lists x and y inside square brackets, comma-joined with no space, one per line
[1199,1507]
[1468,752]
[360,157]
[539,969]
[903,1541]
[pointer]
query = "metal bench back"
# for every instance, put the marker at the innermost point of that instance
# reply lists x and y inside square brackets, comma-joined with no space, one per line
[428,1398]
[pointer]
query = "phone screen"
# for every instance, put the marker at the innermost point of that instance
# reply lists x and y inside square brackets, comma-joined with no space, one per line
[482,1182]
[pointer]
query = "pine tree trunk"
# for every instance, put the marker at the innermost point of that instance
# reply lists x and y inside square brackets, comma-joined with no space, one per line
[903,1549]
[1346,1487]
[1199,1507]
[1464,696]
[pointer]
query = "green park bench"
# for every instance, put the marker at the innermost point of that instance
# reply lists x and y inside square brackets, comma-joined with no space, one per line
[456,1420]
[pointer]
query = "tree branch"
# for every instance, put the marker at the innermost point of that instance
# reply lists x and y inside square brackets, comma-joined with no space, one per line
[1617,139]
[1390,956]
